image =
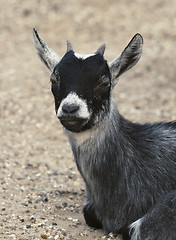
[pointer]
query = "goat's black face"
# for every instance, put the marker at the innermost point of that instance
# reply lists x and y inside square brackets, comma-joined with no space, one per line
[81,87]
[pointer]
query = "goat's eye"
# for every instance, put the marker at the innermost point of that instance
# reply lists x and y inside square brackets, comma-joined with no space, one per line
[54,79]
[104,84]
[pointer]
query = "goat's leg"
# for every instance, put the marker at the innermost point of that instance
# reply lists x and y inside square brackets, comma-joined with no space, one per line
[159,223]
[90,212]
[90,216]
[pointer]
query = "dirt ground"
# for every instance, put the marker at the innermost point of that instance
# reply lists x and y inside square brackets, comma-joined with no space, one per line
[41,191]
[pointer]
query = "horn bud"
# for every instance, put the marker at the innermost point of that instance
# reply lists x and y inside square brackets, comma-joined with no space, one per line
[101,50]
[69,46]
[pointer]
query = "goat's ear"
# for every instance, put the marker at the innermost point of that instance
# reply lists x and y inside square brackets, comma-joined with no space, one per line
[46,54]
[128,58]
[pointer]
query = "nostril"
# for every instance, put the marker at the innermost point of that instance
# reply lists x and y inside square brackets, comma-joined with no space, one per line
[70,108]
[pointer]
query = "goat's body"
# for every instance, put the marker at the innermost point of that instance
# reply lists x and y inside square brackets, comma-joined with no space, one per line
[159,222]
[127,167]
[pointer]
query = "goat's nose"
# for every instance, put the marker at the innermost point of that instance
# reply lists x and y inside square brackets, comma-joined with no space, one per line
[70,108]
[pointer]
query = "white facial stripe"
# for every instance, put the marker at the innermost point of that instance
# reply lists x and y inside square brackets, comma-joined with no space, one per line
[73,98]
[83,56]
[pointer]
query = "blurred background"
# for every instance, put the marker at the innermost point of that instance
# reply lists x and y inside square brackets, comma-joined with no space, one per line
[32,140]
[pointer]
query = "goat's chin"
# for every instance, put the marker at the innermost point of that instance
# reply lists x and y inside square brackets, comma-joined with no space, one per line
[75,126]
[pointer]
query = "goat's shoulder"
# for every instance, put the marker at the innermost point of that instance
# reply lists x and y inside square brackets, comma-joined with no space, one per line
[148,130]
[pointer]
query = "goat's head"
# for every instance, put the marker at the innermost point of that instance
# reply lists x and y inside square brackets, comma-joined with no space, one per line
[82,84]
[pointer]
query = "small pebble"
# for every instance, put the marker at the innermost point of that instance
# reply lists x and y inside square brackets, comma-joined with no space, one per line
[54,224]
[28,226]
[44,236]
[75,220]
[45,199]
[64,204]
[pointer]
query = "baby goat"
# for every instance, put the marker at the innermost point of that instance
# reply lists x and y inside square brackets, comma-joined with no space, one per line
[129,169]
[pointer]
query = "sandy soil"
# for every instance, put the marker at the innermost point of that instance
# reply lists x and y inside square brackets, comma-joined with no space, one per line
[41,191]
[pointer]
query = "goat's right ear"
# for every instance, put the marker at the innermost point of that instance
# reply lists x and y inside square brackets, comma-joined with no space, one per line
[46,54]
[128,58]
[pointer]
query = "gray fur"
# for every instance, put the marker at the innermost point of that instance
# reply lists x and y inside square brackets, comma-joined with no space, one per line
[116,173]
[129,169]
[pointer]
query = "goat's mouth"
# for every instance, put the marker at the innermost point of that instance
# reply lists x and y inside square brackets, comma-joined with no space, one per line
[73,124]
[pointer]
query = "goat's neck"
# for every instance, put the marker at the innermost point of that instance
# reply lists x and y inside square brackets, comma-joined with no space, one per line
[106,126]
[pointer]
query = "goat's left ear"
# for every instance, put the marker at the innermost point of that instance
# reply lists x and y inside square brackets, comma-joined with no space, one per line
[128,58]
